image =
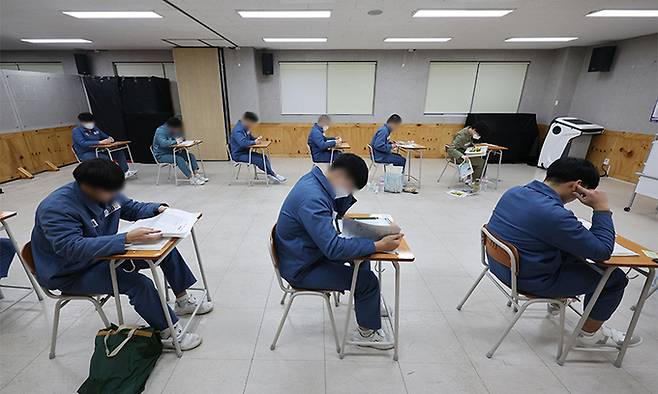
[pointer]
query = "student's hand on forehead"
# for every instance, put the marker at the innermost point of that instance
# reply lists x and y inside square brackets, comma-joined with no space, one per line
[596,199]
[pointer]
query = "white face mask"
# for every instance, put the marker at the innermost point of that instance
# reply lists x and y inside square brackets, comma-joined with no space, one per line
[341,192]
[88,125]
[325,128]
[476,136]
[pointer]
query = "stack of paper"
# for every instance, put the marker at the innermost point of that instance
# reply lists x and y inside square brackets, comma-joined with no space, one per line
[172,223]
[374,228]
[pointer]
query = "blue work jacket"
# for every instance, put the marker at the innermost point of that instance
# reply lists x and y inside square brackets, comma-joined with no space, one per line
[547,235]
[319,142]
[305,232]
[380,143]
[240,141]
[84,139]
[71,231]
[163,141]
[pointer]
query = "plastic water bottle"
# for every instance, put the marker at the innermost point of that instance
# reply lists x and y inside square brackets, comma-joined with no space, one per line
[380,186]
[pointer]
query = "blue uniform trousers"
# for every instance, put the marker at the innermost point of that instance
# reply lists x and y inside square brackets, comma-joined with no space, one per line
[391,158]
[139,288]
[181,162]
[331,275]
[7,253]
[257,160]
[119,157]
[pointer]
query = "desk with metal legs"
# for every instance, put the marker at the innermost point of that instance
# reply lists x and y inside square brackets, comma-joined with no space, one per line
[410,148]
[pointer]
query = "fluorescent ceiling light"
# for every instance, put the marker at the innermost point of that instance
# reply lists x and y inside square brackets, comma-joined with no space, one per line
[56,40]
[302,40]
[418,39]
[540,39]
[113,14]
[285,14]
[625,13]
[461,13]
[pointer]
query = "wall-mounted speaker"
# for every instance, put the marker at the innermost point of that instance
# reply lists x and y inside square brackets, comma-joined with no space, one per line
[267,60]
[82,64]
[602,58]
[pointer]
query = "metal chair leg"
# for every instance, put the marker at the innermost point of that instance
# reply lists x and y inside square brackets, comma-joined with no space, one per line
[53,339]
[560,344]
[443,172]
[157,178]
[470,291]
[283,299]
[336,298]
[327,300]
[283,320]
[101,313]
[507,330]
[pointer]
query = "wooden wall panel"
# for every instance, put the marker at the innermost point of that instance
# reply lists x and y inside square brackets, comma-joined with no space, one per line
[200,92]
[31,148]
[627,152]
[289,139]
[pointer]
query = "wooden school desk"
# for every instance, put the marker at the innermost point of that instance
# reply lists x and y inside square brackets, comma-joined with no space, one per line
[262,148]
[4,216]
[410,148]
[403,255]
[642,265]
[185,147]
[496,150]
[154,258]
[113,147]
[342,146]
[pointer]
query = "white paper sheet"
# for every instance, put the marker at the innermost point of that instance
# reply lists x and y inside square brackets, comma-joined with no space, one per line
[619,250]
[374,228]
[172,222]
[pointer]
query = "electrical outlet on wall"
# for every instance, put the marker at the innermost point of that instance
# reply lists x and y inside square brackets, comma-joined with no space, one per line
[606,162]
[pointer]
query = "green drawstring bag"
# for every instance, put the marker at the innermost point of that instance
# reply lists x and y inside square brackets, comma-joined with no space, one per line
[123,359]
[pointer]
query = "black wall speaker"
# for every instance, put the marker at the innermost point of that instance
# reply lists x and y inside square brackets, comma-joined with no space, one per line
[82,64]
[267,59]
[602,58]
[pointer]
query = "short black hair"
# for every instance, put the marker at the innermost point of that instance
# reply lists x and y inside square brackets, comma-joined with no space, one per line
[100,173]
[174,122]
[568,169]
[86,117]
[395,118]
[355,167]
[324,117]
[250,116]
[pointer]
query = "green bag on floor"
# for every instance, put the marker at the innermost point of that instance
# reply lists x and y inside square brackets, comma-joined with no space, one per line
[123,359]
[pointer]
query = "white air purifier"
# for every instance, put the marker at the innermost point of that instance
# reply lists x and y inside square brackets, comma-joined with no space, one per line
[567,137]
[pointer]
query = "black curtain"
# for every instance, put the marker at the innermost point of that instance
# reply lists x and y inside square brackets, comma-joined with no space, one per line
[130,108]
[518,132]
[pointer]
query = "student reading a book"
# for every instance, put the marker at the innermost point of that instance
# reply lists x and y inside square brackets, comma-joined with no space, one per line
[382,145]
[553,244]
[240,144]
[311,253]
[77,224]
[164,139]
[457,148]
[86,135]
[319,143]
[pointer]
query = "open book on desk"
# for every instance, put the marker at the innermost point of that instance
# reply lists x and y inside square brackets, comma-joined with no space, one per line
[173,223]
[619,250]
[373,227]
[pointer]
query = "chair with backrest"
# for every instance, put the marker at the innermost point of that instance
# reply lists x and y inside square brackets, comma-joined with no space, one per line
[294,292]
[237,166]
[373,163]
[450,162]
[496,251]
[63,299]
[76,155]
[169,167]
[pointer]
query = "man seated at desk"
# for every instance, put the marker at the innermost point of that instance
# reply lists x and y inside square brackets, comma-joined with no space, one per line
[457,148]
[311,253]
[321,145]
[553,244]
[86,135]
[382,145]
[165,138]
[241,142]
[77,224]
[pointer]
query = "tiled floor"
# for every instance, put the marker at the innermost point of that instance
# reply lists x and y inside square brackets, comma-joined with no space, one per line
[442,349]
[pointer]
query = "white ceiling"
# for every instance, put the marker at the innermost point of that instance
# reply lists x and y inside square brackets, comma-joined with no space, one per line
[348,28]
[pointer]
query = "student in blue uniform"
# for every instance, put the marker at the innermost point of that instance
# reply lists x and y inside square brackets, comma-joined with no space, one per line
[77,224]
[7,253]
[86,135]
[311,253]
[166,136]
[242,139]
[553,243]
[382,145]
[319,143]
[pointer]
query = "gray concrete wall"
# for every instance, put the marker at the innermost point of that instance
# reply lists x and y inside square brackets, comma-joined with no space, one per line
[621,99]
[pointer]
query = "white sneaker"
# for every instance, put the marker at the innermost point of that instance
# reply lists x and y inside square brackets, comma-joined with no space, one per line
[606,337]
[280,178]
[196,181]
[187,306]
[130,174]
[203,178]
[376,339]
[187,342]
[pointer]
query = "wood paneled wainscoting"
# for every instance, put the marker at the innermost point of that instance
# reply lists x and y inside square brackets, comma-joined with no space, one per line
[34,151]
[627,153]
[289,139]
